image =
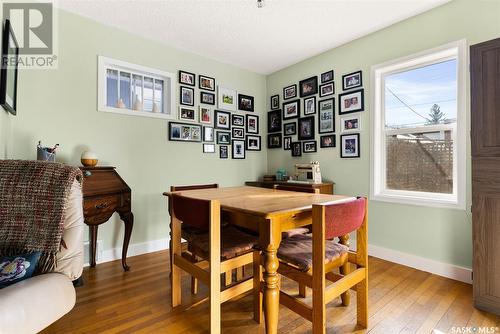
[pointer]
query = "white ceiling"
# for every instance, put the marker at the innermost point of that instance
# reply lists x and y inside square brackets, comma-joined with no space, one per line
[262,40]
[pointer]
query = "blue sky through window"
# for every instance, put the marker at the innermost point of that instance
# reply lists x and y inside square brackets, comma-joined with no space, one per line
[410,95]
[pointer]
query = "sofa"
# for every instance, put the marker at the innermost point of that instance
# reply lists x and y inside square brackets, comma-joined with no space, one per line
[33,304]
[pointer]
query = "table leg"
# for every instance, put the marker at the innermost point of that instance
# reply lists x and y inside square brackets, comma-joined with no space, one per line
[128,220]
[270,238]
[93,243]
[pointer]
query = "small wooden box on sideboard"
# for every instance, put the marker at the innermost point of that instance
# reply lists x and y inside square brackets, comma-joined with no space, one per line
[324,187]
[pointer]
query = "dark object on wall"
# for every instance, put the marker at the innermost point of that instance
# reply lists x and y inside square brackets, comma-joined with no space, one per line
[274,140]
[327,141]
[485,174]
[104,193]
[308,86]
[8,71]
[245,102]
[327,76]
[306,128]
[352,80]
[274,121]
[296,148]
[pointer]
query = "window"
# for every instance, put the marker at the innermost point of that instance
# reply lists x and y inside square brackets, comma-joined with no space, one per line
[419,130]
[134,90]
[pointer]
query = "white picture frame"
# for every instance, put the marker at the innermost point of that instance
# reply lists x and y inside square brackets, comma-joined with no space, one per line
[206,115]
[187,114]
[227,99]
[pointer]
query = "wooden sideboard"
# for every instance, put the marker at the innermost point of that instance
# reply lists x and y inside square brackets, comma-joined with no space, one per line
[324,188]
[104,193]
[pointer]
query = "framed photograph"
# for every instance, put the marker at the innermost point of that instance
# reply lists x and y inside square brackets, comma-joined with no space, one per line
[309,146]
[327,141]
[253,143]
[296,148]
[208,148]
[227,99]
[238,149]
[287,142]
[238,132]
[222,120]
[275,102]
[8,72]
[326,116]
[245,102]
[205,82]
[290,92]
[308,86]
[327,89]
[349,146]
[306,128]
[187,114]
[310,106]
[252,124]
[187,96]
[237,120]
[290,129]
[207,98]
[291,109]
[184,132]
[208,133]
[352,80]
[351,102]
[187,78]
[274,121]
[206,115]
[223,152]
[327,76]
[350,123]
[223,137]
[274,140]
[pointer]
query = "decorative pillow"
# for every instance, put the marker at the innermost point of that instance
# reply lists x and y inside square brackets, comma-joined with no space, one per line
[16,268]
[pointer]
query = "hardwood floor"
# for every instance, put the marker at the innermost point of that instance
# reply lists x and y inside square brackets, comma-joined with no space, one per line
[401,299]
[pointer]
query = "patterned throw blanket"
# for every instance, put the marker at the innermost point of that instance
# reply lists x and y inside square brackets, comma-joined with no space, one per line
[33,198]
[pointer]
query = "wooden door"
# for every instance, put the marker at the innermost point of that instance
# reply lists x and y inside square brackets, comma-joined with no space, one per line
[485,139]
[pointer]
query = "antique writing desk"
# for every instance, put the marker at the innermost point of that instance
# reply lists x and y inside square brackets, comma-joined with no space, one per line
[268,212]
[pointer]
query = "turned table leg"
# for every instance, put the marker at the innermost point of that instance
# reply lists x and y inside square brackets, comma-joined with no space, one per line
[128,220]
[93,243]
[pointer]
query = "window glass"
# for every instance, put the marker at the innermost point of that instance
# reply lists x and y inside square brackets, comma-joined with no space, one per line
[112,88]
[148,94]
[125,90]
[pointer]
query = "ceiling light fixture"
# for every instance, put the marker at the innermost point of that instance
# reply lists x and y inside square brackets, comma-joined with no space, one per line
[260,3]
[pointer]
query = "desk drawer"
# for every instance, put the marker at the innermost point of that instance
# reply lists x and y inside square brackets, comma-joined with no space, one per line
[101,205]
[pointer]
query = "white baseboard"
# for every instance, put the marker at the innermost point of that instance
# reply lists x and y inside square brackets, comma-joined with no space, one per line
[439,268]
[434,267]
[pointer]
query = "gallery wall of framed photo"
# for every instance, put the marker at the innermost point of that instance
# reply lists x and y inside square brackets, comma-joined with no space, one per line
[308,111]
[223,118]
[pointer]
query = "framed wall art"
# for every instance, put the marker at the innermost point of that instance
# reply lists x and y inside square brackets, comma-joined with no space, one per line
[274,121]
[310,106]
[187,114]
[238,149]
[327,76]
[290,92]
[327,89]
[187,78]
[207,98]
[287,142]
[274,140]
[349,146]
[245,102]
[205,82]
[352,80]
[184,132]
[208,134]
[252,124]
[238,132]
[290,129]
[351,102]
[308,86]
[237,120]
[327,141]
[206,115]
[296,148]
[227,99]
[350,123]
[291,109]
[275,102]
[186,96]
[9,70]
[208,148]
[326,116]
[223,152]
[309,146]
[306,128]
[222,120]
[253,143]
[223,137]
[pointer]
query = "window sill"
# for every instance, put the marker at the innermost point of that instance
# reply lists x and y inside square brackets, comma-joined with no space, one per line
[131,112]
[450,203]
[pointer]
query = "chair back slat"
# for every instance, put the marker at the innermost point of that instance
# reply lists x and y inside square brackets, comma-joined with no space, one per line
[191,211]
[343,218]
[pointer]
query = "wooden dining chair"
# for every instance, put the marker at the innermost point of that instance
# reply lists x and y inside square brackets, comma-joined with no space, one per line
[218,250]
[311,259]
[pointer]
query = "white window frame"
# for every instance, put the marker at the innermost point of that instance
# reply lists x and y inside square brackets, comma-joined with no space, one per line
[378,191]
[105,63]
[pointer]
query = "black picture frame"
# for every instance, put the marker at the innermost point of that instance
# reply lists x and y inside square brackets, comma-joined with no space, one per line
[175,134]
[342,148]
[220,135]
[305,128]
[308,86]
[321,118]
[223,152]
[238,133]
[296,148]
[328,141]
[287,141]
[206,94]
[327,76]
[251,147]
[290,129]
[237,120]
[235,149]
[321,94]
[286,96]
[201,85]
[309,142]
[307,104]
[8,35]
[286,110]
[205,132]
[359,83]
[274,140]
[274,122]
[182,97]
[189,74]
[243,103]
[352,92]
[275,102]
[248,122]
[216,118]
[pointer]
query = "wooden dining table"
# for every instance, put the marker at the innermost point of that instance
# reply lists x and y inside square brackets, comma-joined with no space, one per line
[268,212]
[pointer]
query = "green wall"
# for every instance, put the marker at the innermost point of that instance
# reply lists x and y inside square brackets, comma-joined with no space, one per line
[59,106]
[439,234]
